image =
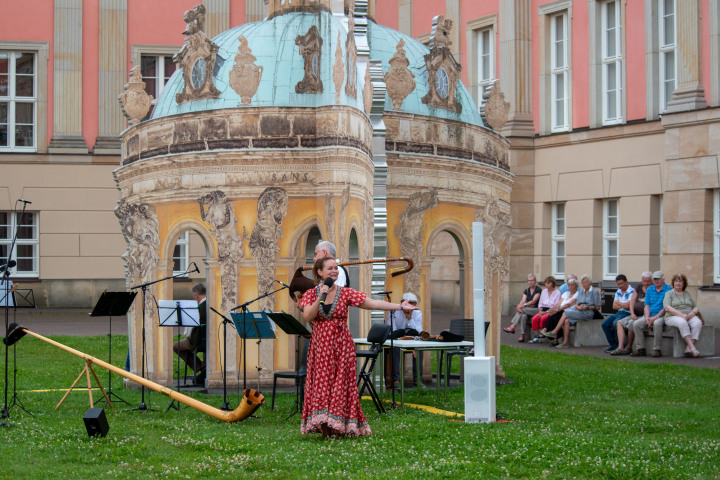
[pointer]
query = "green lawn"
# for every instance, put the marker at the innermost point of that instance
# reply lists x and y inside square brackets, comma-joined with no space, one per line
[571,417]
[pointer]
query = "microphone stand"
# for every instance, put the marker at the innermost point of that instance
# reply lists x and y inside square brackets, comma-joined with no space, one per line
[143,407]
[225,321]
[6,275]
[244,309]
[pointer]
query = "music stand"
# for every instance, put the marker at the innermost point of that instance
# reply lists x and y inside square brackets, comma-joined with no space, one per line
[112,304]
[252,325]
[291,326]
[178,313]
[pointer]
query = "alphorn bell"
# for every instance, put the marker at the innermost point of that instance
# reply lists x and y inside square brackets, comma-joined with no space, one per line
[252,399]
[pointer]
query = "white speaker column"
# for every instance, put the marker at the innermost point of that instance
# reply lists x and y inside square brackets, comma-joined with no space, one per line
[479,369]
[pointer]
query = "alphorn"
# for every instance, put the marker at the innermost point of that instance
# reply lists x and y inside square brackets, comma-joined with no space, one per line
[409,265]
[252,399]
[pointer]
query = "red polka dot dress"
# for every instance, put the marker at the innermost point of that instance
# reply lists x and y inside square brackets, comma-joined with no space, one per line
[331,394]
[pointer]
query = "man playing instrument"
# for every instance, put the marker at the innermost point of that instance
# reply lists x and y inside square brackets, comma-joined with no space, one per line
[185,348]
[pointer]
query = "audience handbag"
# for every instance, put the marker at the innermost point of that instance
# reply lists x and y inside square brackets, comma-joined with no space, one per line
[699,315]
[639,308]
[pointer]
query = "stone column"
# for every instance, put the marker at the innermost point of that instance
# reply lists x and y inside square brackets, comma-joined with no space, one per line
[217,16]
[67,96]
[453,11]
[405,17]
[689,93]
[112,74]
[715,51]
[516,65]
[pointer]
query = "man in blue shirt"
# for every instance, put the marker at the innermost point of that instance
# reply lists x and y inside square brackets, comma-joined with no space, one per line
[564,287]
[653,318]
[621,303]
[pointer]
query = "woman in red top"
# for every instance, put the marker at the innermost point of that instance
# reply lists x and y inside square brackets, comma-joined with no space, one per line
[332,402]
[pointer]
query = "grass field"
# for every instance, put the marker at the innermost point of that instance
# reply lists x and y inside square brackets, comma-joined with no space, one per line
[570,417]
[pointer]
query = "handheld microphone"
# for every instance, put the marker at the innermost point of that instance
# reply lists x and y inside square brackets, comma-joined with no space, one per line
[8,266]
[329,282]
[24,201]
[382,293]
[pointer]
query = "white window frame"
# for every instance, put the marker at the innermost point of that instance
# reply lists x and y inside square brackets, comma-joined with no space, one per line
[716,236]
[159,77]
[34,242]
[485,49]
[12,99]
[183,257]
[559,69]
[610,61]
[480,78]
[667,49]
[611,238]
[558,238]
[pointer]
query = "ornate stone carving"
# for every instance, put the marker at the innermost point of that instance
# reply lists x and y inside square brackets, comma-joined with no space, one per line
[338,70]
[134,101]
[410,233]
[140,227]
[368,92]
[368,228]
[351,58]
[497,225]
[196,59]
[310,47]
[496,108]
[399,78]
[245,75]
[271,210]
[342,243]
[216,210]
[443,70]
[330,219]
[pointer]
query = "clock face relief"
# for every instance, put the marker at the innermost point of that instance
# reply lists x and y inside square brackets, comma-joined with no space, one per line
[442,82]
[198,73]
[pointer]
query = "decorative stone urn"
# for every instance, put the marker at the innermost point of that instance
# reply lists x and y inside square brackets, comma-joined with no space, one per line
[134,101]
[245,75]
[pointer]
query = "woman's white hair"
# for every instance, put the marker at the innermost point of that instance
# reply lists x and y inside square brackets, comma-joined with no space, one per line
[586,277]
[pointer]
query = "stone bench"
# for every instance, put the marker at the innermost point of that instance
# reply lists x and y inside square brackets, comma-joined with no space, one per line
[673,345]
[587,333]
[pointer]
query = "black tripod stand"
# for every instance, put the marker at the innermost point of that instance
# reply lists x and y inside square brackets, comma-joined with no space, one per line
[178,313]
[5,268]
[15,400]
[392,351]
[225,321]
[142,406]
[112,304]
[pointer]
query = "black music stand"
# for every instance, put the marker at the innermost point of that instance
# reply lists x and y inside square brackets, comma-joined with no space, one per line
[252,325]
[178,313]
[112,304]
[291,326]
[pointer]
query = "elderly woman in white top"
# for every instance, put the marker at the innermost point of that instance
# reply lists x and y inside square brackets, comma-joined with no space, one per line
[682,313]
[588,302]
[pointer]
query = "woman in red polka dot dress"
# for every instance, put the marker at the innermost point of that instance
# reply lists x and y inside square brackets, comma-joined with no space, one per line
[332,403]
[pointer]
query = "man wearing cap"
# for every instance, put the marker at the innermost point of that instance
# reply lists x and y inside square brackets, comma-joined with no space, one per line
[404,324]
[654,316]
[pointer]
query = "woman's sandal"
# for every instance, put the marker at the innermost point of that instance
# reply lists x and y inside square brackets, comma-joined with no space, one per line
[695,353]
[521,338]
[509,330]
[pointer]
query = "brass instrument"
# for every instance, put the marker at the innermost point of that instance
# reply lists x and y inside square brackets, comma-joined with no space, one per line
[252,399]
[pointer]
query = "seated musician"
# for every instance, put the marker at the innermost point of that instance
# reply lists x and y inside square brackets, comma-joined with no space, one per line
[185,348]
[405,324]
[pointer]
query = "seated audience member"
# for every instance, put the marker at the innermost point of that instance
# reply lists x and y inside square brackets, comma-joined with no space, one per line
[681,312]
[527,307]
[621,303]
[567,301]
[588,302]
[185,348]
[404,323]
[637,307]
[548,299]
[653,317]
[564,287]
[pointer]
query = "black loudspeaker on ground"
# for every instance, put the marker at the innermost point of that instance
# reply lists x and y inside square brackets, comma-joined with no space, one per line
[96,422]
